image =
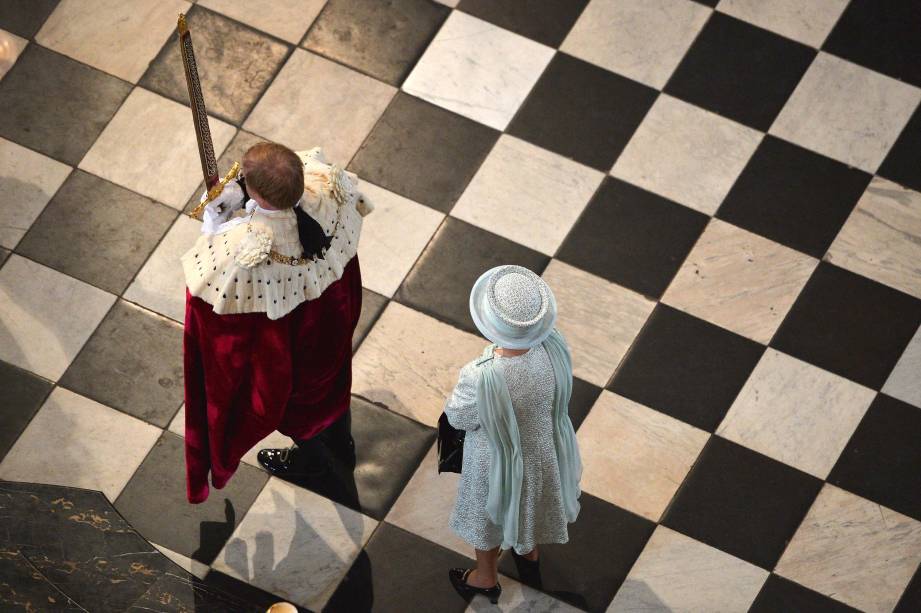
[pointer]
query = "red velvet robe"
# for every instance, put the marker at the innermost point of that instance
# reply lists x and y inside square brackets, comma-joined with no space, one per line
[247,375]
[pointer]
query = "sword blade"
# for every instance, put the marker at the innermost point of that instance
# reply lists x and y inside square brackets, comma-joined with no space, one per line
[197,103]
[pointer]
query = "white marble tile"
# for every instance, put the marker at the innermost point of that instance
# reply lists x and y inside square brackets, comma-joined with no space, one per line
[903,382]
[78,442]
[519,598]
[187,564]
[797,413]
[316,102]
[527,194]
[853,550]
[425,504]
[160,284]
[117,37]
[286,19]
[392,237]
[46,316]
[10,48]
[451,3]
[28,180]
[478,70]
[150,147]
[676,573]
[740,281]
[295,544]
[882,237]
[177,425]
[686,154]
[634,456]
[847,112]
[641,39]
[410,362]
[597,345]
[807,22]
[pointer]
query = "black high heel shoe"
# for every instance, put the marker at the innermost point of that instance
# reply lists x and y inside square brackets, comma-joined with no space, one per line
[458,577]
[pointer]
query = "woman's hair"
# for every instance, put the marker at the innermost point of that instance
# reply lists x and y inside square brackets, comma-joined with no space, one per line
[275,173]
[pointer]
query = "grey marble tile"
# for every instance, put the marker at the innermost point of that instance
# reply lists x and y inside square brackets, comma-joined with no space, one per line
[75,441]
[705,154]
[21,396]
[119,38]
[797,413]
[286,19]
[903,381]
[372,305]
[677,573]
[56,105]
[740,281]
[133,362]
[506,66]
[882,237]
[336,112]
[10,48]
[311,546]
[641,39]
[846,112]
[29,179]
[854,550]
[520,598]
[81,233]
[807,22]
[35,333]
[25,17]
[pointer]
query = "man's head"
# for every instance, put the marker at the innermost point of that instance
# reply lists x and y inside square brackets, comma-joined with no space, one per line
[274,175]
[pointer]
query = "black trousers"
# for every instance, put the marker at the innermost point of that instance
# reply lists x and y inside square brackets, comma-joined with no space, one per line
[335,441]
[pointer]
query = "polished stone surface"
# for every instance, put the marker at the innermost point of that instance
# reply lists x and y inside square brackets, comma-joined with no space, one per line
[29,180]
[21,396]
[882,237]
[336,112]
[706,153]
[903,380]
[478,70]
[636,457]
[75,441]
[286,19]
[740,281]
[372,305]
[846,112]
[807,22]
[527,194]
[25,18]
[37,336]
[167,167]
[796,413]
[860,552]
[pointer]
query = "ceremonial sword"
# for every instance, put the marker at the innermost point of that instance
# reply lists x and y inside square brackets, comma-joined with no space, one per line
[213,184]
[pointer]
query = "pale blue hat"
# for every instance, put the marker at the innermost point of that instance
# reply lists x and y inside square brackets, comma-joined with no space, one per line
[513,307]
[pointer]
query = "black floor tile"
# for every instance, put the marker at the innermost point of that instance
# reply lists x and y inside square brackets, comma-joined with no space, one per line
[440,282]
[686,367]
[382,39]
[910,602]
[592,127]
[233,153]
[779,595]
[25,17]
[21,396]
[740,71]
[882,461]
[632,237]
[67,236]
[794,196]
[547,22]
[154,502]
[742,502]
[423,152]
[882,36]
[56,105]
[179,591]
[399,571]
[372,305]
[850,325]
[604,542]
[132,362]
[4,253]
[584,395]
[901,165]
[235,64]
[242,591]
[29,586]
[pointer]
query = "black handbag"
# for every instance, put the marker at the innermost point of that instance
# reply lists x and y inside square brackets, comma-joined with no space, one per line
[450,447]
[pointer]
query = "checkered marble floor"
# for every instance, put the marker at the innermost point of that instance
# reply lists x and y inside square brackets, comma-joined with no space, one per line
[725,197]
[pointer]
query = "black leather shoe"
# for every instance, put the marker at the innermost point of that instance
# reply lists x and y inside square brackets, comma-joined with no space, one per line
[458,577]
[528,570]
[288,463]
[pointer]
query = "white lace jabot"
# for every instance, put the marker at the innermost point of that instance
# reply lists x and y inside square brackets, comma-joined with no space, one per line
[217,268]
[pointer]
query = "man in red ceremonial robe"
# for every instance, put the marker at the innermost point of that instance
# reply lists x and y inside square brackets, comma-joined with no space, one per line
[273,297]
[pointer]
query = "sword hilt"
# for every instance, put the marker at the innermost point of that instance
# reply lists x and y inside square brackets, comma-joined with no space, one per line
[215,191]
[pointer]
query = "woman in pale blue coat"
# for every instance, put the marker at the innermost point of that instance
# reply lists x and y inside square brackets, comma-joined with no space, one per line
[519,484]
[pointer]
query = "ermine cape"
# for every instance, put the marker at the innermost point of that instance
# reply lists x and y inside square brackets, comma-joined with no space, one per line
[267,342]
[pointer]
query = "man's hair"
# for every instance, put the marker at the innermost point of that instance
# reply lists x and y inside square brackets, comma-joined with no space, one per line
[274,172]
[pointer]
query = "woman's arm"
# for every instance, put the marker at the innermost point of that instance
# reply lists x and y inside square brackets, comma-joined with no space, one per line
[461,407]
